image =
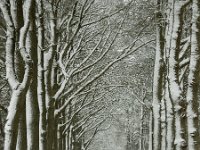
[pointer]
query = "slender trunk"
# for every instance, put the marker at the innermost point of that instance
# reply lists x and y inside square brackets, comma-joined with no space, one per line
[42,110]
[63,135]
[56,141]
[41,103]
[71,146]
[163,124]
[1,127]
[170,120]
[63,141]
[40,78]
[69,132]
[141,129]
[68,142]
[150,144]
[59,146]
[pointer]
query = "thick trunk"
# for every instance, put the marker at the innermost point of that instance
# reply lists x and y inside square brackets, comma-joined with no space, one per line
[21,138]
[13,112]
[193,81]
[32,116]
[157,89]
[32,111]
[50,123]
[11,126]
[158,81]
[49,91]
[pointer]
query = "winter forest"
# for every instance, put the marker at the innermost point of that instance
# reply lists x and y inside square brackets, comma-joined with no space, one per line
[99,74]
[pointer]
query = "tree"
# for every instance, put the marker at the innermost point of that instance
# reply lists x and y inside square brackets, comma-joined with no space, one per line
[176,78]
[53,60]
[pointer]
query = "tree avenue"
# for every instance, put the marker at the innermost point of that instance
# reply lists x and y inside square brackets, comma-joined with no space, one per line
[84,74]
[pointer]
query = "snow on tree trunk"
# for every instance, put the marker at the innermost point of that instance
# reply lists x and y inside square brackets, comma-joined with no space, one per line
[193,81]
[175,92]
[170,121]
[158,85]
[163,124]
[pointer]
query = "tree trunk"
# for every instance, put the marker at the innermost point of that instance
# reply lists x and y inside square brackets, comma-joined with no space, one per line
[49,93]
[163,125]
[158,83]
[1,126]
[11,126]
[32,118]
[173,38]
[193,81]
[50,123]
[32,111]
[19,89]
[21,138]
[150,144]
[40,79]
[141,142]
[170,120]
